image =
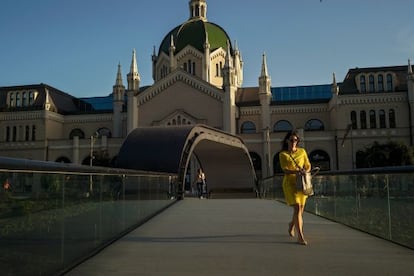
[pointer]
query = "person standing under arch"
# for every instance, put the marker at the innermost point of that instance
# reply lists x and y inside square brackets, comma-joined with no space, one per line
[201,182]
[291,158]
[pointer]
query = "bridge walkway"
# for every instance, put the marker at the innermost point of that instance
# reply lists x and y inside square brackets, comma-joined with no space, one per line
[244,237]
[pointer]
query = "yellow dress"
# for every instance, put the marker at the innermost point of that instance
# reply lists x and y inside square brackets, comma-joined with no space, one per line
[292,196]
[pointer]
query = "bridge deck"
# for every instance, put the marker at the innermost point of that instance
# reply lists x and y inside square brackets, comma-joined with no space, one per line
[244,237]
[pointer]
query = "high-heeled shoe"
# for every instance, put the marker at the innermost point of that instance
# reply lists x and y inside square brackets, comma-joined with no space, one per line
[302,242]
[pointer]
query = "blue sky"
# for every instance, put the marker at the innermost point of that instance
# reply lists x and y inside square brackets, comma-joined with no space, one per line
[76,45]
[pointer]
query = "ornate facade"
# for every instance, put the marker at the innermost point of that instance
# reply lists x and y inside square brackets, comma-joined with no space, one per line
[198,78]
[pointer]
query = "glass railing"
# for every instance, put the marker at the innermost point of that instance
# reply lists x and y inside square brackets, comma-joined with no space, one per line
[377,201]
[52,216]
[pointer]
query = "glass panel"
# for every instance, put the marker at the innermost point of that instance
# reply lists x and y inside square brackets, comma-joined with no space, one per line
[378,203]
[50,220]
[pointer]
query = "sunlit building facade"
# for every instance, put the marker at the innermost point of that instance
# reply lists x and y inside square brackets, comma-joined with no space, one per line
[198,79]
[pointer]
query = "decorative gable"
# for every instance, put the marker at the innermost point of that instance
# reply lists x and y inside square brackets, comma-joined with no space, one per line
[178,118]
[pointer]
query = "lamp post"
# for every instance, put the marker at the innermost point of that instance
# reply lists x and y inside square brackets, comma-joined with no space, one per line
[91,152]
[93,138]
[267,150]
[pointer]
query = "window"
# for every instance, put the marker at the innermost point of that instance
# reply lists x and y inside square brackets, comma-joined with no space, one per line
[27,133]
[11,103]
[314,125]
[18,99]
[104,132]
[14,134]
[24,100]
[256,160]
[320,158]
[362,84]
[248,128]
[189,66]
[282,126]
[276,164]
[164,71]
[354,120]
[391,118]
[380,83]
[389,83]
[8,134]
[372,119]
[382,119]
[76,132]
[31,97]
[371,83]
[217,70]
[33,133]
[363,118]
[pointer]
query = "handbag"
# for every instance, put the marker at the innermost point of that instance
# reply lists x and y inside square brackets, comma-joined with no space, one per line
[304,180]
[304,183]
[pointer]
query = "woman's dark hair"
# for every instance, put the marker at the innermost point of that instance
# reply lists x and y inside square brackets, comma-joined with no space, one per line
[285,145]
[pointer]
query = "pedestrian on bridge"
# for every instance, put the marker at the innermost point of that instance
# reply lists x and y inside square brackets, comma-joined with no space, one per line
[291,157]
[201,183]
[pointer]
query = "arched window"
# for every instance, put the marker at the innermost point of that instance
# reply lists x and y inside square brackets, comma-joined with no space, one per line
[276,164]
[217,70]
[372,119]
[382,122]
[248,128]
[389,83]
[391,118]
[371,83]
[18,100]
[362,84]
[363,119]
[321,159]
[354,120]
[314,125]
[282,126]
[76,132]
[380,83]
[103,131]
[256,160]
[11,103]
[24,100]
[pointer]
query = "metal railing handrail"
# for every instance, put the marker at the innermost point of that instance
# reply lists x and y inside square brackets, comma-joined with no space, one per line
[32,166]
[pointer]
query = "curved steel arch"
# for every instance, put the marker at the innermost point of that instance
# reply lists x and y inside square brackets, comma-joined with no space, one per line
[223,157]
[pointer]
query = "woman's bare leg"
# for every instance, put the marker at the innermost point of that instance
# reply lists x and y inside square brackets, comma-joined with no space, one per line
[301,237]
[292,224]
[298,222]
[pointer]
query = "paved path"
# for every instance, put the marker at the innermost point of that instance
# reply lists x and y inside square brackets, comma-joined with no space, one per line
[244,237]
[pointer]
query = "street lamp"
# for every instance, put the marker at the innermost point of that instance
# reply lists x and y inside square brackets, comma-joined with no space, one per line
[93,139]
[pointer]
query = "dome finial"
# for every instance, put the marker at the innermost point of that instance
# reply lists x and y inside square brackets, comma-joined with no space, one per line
[198,9]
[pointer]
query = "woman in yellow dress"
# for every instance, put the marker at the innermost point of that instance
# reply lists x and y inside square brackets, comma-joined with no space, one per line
[290,154]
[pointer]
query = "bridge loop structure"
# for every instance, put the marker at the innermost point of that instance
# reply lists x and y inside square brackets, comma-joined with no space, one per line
[223,157]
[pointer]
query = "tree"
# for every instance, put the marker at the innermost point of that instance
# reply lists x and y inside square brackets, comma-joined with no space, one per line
[384,155]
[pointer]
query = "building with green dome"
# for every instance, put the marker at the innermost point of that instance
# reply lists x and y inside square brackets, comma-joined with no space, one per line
[197,71]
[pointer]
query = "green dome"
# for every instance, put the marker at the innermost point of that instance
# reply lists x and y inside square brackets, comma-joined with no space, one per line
[194,33]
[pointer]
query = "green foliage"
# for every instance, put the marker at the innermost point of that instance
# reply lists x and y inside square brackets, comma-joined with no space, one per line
[384,155]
